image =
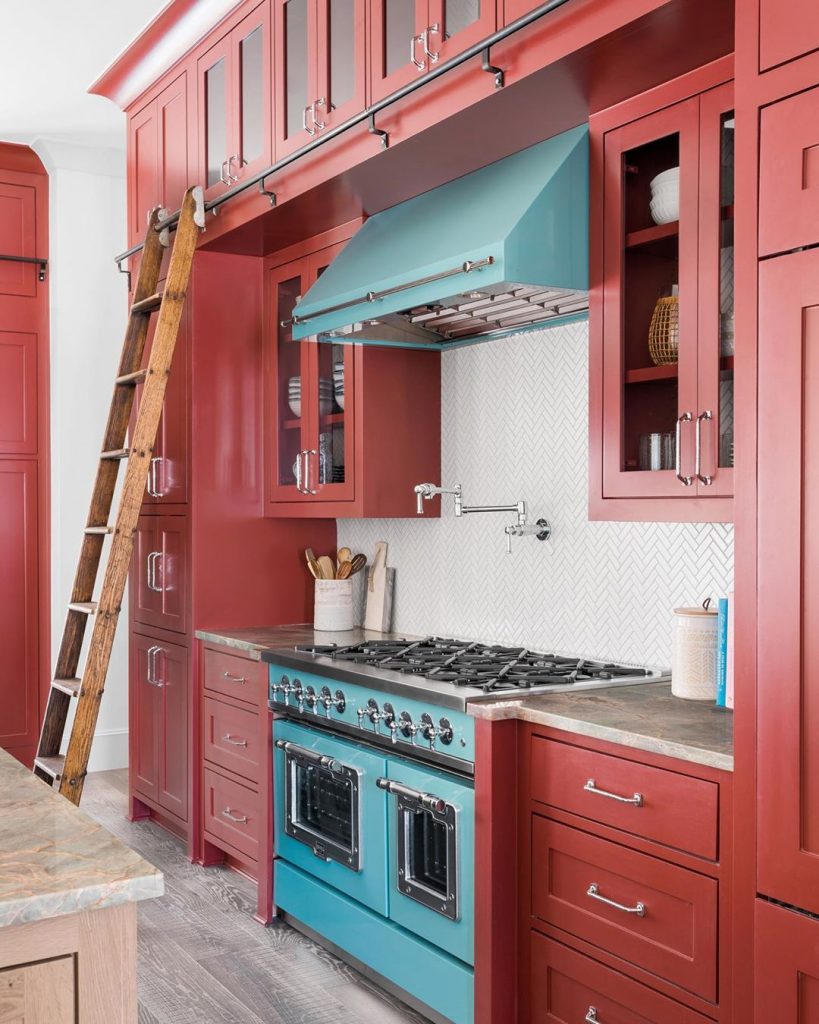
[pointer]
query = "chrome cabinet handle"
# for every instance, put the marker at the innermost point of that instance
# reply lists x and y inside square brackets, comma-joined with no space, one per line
[703,478]
[636,800]
[686,481]
[639,908]
[414,41]
[316,104]
[234,679]
[153,488]
[433,57]
[309,108]
[591,1017]
[151,569]
[223,173]
[234,742]
[307,488]
[299,487]
[227,813]
[151,673]
[233,178]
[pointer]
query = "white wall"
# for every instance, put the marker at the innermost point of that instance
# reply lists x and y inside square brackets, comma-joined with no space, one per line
[515,426]
[88,316]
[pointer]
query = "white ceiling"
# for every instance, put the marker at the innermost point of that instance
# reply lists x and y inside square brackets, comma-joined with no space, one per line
[50,52]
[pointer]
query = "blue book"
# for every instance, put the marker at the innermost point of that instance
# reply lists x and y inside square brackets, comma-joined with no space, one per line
[722,651]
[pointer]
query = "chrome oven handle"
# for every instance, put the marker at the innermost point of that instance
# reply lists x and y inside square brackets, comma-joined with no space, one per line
[639,908]
[686,481]
[313,756]
[636,800]
[427,800]
[414,41]
[239,820]
[705,479]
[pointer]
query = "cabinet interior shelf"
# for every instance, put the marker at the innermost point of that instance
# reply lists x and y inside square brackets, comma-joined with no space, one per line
[661,232]
[325,421]
[669,371]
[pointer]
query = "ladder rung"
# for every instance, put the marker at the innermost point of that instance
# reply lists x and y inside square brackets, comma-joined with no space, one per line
[52,766]
[69,686]
[86,607]
[93,530]
[149,304]
[116,454]
[137,377]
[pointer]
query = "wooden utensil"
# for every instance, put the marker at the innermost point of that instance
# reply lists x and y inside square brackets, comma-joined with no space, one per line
[358,563]
[344,555]
[328,569]
[344,570]
[315,568]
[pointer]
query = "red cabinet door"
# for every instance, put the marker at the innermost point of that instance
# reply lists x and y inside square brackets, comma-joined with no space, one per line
[171,670]
[172,142]
[786,968]
[143,171]
[145,716]
[18,392]
[19,635]
[456,25]
[788,589]
[787,29]
[160,572]
[18,234]
[396,54]
[296,69]
[340,65]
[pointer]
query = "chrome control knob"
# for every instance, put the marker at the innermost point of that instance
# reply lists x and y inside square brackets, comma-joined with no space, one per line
[374,713]
[390,722]
[298,692]
[428,729]
[446,733]
[310,698]
[407,726]
[326,699]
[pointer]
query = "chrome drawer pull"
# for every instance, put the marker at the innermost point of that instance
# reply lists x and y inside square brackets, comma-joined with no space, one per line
[235,679]
[639,908]
[591,1017]
[233,742]
[636,800]
[226,813]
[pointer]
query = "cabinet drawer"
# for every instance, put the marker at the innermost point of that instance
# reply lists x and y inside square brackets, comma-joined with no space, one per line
[787,29]
[675,810]
[789,174]
[232,738]
[237,677]
[673,937]
[232,814]
[564,986]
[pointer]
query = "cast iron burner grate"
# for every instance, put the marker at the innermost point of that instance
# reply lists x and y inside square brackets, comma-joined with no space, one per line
[487,667]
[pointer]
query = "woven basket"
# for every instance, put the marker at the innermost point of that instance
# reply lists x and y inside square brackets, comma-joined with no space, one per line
[664,331]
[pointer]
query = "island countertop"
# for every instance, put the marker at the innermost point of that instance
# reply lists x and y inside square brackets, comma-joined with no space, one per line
[644,717]
[56,860]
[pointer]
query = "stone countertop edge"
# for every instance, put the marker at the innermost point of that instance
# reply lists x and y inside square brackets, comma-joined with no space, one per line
[593,730]
[55,860]
[253,640]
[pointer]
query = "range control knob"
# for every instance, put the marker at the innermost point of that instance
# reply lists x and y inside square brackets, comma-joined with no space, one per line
[390,722]
[298,692]
[428,730]
[445,732]
[310,697]
[407,726]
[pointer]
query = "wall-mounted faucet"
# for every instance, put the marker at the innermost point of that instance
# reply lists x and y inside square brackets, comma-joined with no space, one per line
[541,529]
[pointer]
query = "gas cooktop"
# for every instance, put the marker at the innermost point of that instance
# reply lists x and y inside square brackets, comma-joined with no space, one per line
[461,670]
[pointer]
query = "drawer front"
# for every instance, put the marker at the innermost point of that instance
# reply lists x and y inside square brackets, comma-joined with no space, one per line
[675,935]
[232,738]
[789,174]
[787,29]
[232,814]
[237,677]
[674,810]
[565,987]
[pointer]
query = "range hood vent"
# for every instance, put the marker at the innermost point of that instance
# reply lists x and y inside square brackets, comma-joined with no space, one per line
[497,251]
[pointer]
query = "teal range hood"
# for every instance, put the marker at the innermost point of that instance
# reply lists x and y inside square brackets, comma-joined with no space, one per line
[496,251]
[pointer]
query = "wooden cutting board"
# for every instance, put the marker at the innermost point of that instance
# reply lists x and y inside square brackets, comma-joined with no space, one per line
[380,589]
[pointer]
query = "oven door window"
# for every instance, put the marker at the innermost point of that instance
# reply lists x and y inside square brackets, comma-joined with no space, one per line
[323,808]
[428,856]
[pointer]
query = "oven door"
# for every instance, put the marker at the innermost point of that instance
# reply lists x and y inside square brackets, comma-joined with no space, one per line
[431,855]
[329,815]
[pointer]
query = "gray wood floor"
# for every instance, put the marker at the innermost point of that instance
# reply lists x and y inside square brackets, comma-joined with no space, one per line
[204,960]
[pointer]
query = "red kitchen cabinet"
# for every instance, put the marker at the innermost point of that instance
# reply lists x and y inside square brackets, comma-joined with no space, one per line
[18,233]
[409,37]
[157,156]
[160,568]
[235,94]
[786,969]
[661,424]
[788,583]
[159,724]
[787,29]
[19,388]
[320,67]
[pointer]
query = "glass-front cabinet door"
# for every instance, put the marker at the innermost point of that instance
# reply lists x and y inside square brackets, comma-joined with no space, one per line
[215,115]
[295,74]
[397,54]
[341,42]
[457,24]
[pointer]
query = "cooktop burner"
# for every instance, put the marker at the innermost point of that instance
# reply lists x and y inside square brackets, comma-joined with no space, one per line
[486,667]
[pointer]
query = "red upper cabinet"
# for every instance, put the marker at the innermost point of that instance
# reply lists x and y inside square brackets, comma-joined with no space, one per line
[157,156]
[788,582]
[320,67]
[235,90]
[409,37]
[662,362]
[787,29]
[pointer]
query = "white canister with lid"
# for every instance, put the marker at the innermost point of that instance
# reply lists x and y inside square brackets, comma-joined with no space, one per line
[694,659]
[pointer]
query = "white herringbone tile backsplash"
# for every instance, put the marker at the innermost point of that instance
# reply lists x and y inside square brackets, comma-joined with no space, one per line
[515,425]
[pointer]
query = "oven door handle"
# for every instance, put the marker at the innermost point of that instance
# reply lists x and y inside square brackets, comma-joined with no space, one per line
[427,800]
[322,760]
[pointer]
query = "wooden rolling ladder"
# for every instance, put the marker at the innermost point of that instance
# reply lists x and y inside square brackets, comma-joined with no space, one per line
[70,769]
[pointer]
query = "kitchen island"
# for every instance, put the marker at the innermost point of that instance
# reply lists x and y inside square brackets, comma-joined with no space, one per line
[68,893]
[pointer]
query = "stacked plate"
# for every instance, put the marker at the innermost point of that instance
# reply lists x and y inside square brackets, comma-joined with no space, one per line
[325,396]
[665,196]
[338,382]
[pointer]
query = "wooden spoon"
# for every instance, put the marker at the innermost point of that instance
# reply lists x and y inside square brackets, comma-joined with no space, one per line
[358,563]
[344,555]
[328,569]
[344,570]
[315,568]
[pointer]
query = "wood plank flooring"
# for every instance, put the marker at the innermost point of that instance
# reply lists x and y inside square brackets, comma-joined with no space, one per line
[204,960]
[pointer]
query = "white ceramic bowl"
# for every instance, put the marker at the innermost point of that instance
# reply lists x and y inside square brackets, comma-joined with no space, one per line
[295,406]
[665,211]
[672,174]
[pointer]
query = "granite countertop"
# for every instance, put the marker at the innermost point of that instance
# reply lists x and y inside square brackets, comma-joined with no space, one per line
[646,717]
[266,638]
[55,860]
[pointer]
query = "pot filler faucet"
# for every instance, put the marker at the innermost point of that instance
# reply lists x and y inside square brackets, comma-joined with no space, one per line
[541,529]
